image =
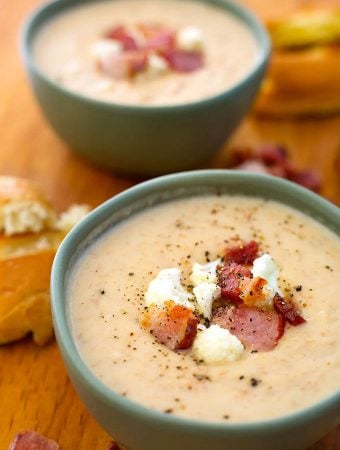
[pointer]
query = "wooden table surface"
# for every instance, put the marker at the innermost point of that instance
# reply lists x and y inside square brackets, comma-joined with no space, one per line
[35,392]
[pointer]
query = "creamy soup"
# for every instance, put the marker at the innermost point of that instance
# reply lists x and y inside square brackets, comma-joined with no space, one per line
[106,297]
[63,50]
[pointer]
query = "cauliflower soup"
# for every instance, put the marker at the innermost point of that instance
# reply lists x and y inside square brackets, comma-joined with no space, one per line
[218,308]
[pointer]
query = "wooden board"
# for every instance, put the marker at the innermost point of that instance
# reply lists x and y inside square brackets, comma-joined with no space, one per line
[34,389]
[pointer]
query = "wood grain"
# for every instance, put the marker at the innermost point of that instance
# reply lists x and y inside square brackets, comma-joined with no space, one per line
[34,389]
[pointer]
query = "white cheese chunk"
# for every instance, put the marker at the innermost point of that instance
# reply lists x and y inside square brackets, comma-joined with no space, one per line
[156,65]
[217,345]
[204,273]
[265,267]
[106,48]
[205,294]
[167,286]
[190,39]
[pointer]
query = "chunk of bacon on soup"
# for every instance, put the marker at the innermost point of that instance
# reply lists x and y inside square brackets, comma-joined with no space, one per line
[171,324]
[256,329]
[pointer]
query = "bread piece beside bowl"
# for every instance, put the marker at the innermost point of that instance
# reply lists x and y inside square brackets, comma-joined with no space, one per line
[30,234]
[304,71]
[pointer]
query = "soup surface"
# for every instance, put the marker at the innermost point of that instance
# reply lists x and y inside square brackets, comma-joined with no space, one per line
[106,298]
[63,46]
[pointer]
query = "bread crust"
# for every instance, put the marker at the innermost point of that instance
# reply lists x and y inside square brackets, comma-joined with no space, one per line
[304,72]
[24,296]
[28,242]
[301,82]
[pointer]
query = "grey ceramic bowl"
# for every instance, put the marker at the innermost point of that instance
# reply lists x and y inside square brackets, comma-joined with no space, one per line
[140,428]
[141,139]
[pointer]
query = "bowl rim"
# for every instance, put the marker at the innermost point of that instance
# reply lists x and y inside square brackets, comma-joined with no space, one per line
[245,15]
[134,409]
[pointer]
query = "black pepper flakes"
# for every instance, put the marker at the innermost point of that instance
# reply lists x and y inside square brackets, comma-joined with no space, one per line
[201,377]
[254,382]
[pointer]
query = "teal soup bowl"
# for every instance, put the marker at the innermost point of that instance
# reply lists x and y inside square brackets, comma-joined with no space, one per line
[138,427]
[141,139]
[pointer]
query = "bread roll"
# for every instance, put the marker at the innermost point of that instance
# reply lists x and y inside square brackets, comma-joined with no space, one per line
[25,268]
[304,71]
[23,207]
[29,237]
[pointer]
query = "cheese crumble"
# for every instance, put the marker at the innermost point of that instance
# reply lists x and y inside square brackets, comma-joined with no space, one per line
[167,286]
[217,345]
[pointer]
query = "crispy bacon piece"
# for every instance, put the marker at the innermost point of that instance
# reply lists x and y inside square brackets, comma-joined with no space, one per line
[30,440]
[288,310]
[184,61]
[158,38]
[307,178]
[161,42]
[119,33]
[272,154]
[244,253]
[229,279]
[273,159]
[257,330]
[172,325]
[254,294]
[136,61]
[149,30]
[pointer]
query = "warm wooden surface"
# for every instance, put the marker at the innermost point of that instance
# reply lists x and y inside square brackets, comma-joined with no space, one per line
[34,390]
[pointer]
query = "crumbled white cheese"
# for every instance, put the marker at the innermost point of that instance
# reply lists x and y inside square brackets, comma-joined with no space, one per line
[108,54]
[205,294]
[25,216]
[72,216]
[217,345]
[204,273]
[265,267]
[156,65]
[106,48]
[190,39]
[167,286]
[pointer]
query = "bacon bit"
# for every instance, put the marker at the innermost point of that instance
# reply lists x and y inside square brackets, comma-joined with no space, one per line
[258,330]
[307,178]
[149,30]
[272,154]
[244,253]
[120,34]
[288,310]
[172,325]
[230,276]
[30,440]
[273,160]
[253,294]
[158,38]
[162,42]
[183,61]
[135,61]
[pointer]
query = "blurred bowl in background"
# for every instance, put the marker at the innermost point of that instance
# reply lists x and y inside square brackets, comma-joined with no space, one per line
[144,140]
